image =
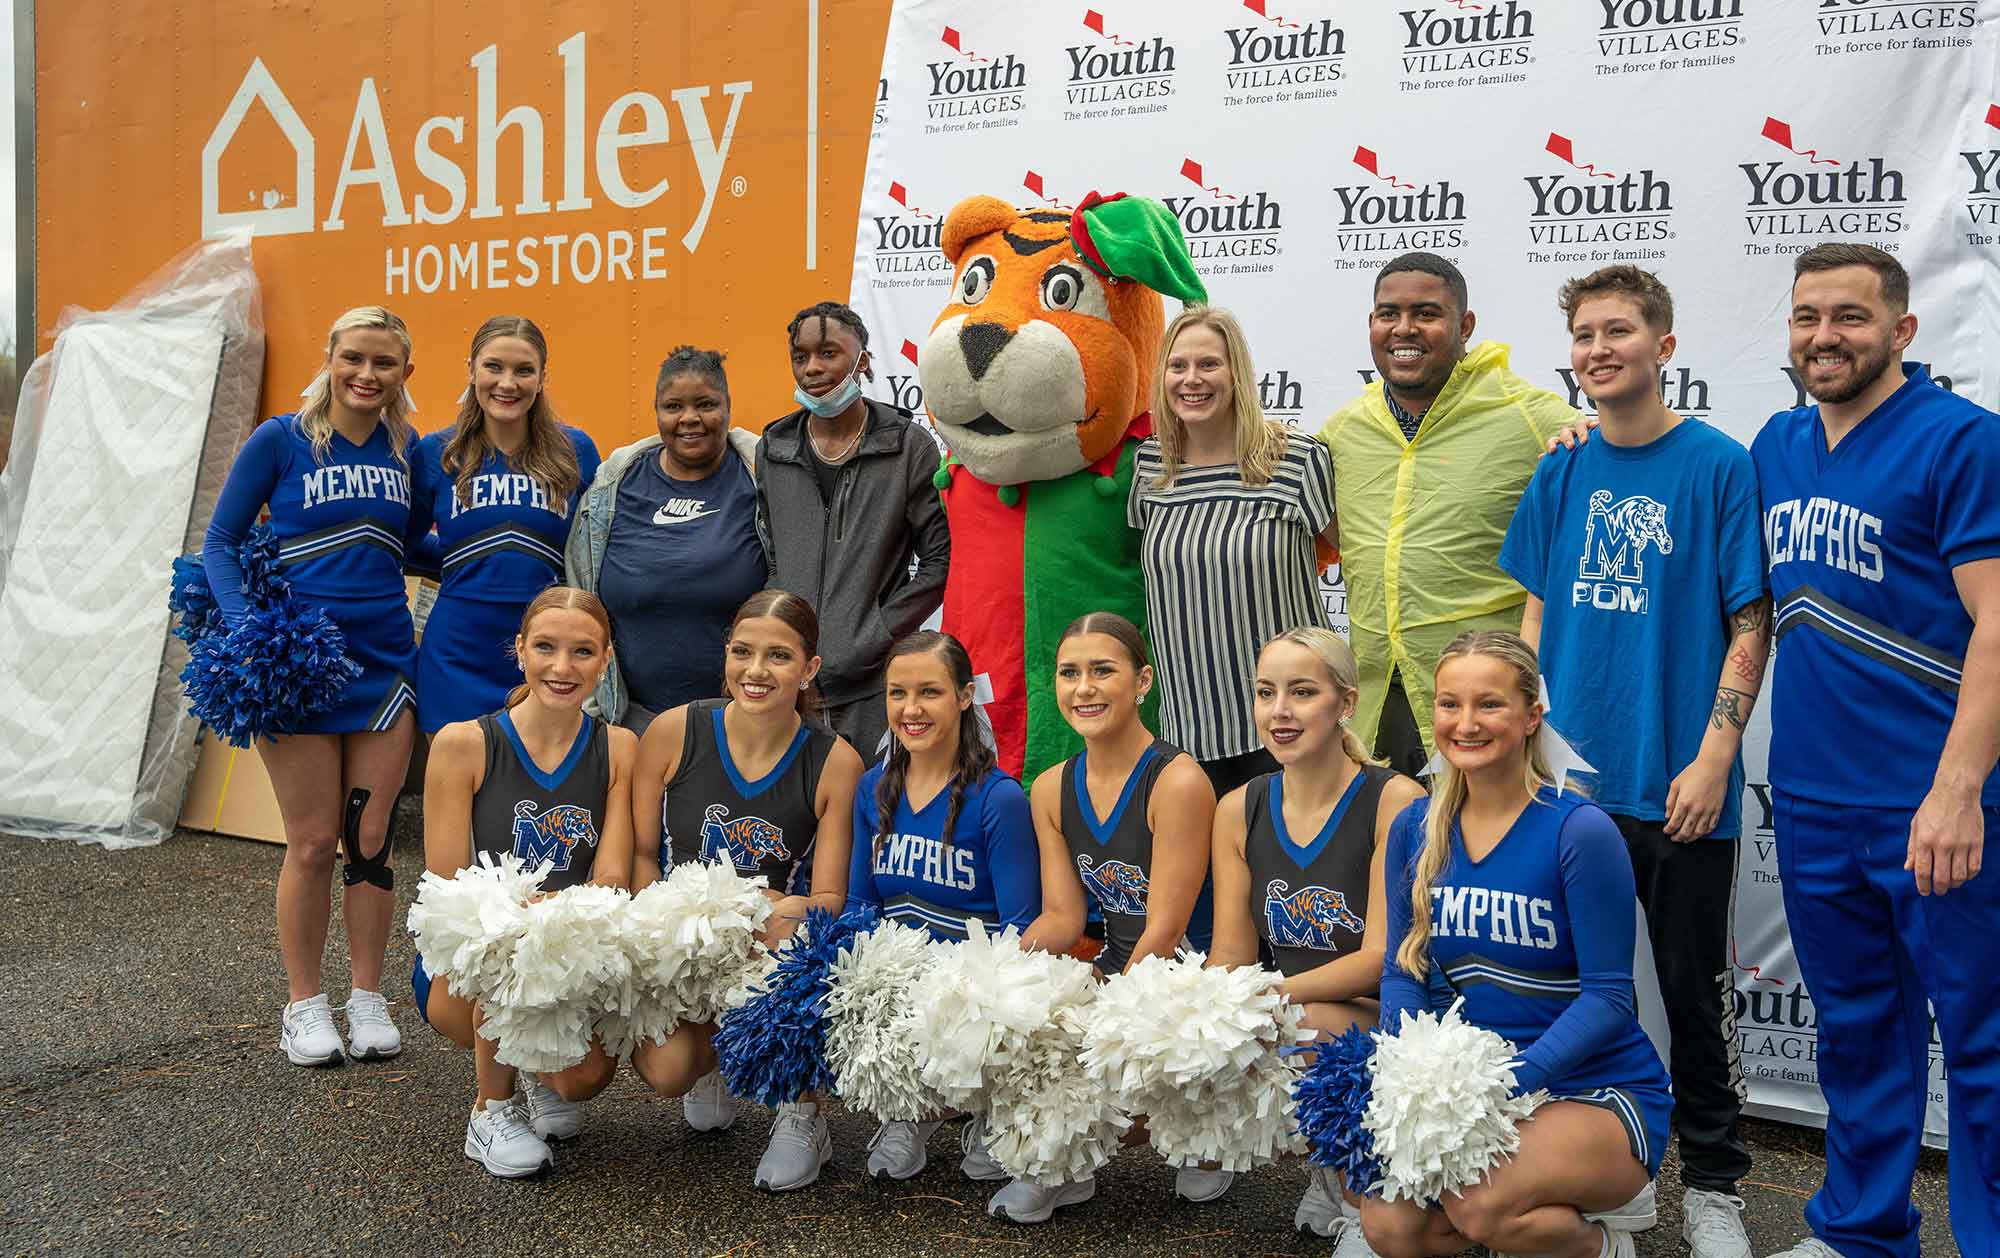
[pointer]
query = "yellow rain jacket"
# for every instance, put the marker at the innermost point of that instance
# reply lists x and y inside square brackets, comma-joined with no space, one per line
[1421,521]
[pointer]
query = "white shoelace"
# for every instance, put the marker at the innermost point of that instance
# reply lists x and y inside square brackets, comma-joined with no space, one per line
[1715,1217]
[368,1007]
[312,1018]
[794,1128]
[506,1122]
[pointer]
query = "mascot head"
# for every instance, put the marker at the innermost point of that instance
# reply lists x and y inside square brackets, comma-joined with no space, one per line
[1044,356]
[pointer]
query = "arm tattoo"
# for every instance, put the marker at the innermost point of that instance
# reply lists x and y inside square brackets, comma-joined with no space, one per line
[1753,616]
[1732,706]
[1748,666]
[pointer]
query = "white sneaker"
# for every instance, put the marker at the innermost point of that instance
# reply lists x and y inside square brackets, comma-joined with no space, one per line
[897,1150]
[708,1105]
[1199,1184]
[497,1139]
[1023,1202]
[977,1163]
[1320,1210]
[1635,1215]
[309,1038]
[371,1034]
[1810,1247]
[1712,1224]
[1618,1243]
[1348,1242]
[800,1145]
[552,1117]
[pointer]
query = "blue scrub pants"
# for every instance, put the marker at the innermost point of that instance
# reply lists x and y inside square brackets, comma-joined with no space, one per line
[1871,951]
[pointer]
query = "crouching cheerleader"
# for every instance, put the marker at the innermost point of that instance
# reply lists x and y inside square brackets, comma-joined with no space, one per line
[942,834]
[756,780]
[543,781]
[1125,822]
[1545,961]
[1298,864]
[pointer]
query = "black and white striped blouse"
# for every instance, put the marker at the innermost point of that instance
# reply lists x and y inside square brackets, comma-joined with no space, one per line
[1228,566]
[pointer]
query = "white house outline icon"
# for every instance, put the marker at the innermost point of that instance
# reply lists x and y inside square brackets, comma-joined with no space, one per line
[298,216]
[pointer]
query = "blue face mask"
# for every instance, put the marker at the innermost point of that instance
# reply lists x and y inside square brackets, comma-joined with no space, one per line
[837,399]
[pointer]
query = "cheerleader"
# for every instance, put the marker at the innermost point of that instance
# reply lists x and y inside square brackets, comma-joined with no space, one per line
[501,484]
[754,779]
[1521,898]
[1298,864]
[940,835]
[336,479]
[493,785]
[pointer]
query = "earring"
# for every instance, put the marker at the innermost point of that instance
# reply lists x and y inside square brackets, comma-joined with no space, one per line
[804,684]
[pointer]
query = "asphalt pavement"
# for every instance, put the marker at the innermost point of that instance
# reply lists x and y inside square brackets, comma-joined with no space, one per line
[149,1111]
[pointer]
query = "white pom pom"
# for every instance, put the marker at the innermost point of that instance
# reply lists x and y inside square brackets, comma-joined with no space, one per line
[1442,1112]
[1202,1053]
[1000,1030]
[869,1011]
[569,965]
[692,941]
[466,927]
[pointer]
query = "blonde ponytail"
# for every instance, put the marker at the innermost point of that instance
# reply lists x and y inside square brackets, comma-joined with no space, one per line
[1448,788]
[1338,659]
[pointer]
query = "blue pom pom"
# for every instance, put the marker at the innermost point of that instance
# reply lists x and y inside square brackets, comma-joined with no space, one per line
[273,668]
[259,557]
[1332,1095]
[772,1049]
[192,600]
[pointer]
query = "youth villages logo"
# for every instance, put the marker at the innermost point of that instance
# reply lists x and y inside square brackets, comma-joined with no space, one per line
[1380,220]
[1853,27]
[1449,47]
[1226,231]
[976,91]
[1117,78]
[1794,204]
[1285,61]
[1587,216]
[907,245]
[1645,35]
[1982,197]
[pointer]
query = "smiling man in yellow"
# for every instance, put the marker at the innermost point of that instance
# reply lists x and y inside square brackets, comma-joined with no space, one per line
[1429,463]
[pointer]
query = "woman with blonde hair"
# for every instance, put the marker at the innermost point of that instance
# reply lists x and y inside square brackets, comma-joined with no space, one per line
[1229,506]
[1298,859]
[501,484]
[336,478]
[1520,897]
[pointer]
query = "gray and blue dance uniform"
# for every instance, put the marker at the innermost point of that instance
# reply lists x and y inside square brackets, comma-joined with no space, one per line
[1537,937]
[763,828]
[342,526]
[1310,896]
[494,550]
[1114,855]
[540,817]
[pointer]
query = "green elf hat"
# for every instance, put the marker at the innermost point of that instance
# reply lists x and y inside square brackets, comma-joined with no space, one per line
[1136,238]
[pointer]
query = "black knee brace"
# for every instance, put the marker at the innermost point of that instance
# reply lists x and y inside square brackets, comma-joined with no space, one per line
[373,870]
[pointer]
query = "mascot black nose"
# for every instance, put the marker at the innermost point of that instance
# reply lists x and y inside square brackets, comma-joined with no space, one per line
[982,343]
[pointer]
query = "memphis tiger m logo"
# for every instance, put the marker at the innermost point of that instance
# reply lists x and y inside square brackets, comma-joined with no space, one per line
[747,842]
[1120,886]
[1308,917]
[1611,574]
[552,835]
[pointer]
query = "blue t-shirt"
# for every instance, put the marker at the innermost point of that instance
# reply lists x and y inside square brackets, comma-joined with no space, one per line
[1639,554]
[1871,633]
[1538,938]
[341,524]
[682,557]
[990,869]
[505,543]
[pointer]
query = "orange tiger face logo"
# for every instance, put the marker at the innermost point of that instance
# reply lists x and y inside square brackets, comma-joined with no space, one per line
[1038,365]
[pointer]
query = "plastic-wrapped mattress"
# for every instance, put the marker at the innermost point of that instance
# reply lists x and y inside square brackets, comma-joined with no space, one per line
[126,431]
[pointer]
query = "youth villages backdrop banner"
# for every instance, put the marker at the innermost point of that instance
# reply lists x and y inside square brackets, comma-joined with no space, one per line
[1302,143]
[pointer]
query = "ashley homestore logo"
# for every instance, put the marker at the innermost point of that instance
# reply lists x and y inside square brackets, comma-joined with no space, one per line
[443,146]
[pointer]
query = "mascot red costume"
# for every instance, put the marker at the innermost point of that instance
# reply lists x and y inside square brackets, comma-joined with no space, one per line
[1038,374]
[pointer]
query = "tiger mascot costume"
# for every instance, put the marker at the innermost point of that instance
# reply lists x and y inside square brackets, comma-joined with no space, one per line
[1039,375]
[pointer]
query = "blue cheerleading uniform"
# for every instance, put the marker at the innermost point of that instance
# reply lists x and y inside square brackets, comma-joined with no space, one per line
[491,554]
[342,527]
[1537,937]
[1871,643]
[989,868]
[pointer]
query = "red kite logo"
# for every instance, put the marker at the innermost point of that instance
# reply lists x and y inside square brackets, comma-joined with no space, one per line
[1191,170]
[953,41]
[1257,7]
[1365,158]
[1780,132]
[1095,21]
[1993,116]
[1560,146]
[910,351]
[901,196]
[1033,183]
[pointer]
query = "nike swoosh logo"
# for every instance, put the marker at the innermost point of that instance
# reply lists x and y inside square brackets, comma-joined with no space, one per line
[661,516]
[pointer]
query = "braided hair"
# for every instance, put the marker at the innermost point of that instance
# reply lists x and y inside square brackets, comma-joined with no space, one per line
[841,314]
[974,758]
